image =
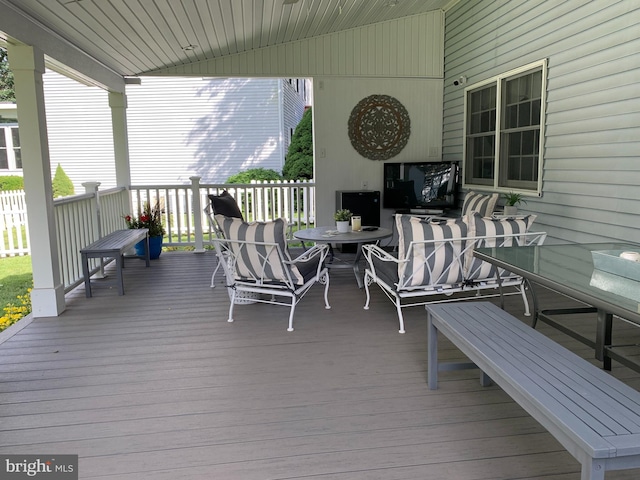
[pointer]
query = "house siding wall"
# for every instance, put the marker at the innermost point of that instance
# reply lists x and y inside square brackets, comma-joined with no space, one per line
[207,127]
[591,178]
[79,131]
[397,48]
[178,128]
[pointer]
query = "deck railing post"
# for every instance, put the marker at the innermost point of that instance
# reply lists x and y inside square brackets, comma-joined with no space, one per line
[197,214]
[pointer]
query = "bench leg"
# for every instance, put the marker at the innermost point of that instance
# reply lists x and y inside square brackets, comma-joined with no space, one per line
[592,470]
[119,267]
[432,354]
[85,274]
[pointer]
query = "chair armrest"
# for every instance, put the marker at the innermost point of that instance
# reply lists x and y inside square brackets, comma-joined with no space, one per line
[318,249]
[371,251]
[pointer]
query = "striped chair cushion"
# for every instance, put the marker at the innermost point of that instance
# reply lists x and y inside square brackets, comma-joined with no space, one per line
[476,269]
[259,261]
[478,202]
[433,263]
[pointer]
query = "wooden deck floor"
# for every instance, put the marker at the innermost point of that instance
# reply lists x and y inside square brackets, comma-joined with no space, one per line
[157,385]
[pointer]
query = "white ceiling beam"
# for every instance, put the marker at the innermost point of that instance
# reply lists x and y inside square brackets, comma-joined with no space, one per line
[17,26]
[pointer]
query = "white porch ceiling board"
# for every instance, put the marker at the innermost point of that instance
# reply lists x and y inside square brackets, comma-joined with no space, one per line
[136,37]
[406,47]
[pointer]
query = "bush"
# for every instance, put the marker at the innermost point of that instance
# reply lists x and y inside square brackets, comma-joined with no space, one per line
[62,184]
[254,174]
[11,182]
[298,163]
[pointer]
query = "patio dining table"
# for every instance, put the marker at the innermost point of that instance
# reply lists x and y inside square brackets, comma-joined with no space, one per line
[569,270]
[331,235]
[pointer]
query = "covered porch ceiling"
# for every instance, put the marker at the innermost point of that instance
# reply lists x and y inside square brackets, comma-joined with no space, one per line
[140,37]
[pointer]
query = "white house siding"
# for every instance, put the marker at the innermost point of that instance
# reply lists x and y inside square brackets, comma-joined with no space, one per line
[591,179]
[178,128]
[79,129]
[293,109]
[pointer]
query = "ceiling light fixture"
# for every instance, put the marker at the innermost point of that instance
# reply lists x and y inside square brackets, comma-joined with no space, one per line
[391,3]
[190,47]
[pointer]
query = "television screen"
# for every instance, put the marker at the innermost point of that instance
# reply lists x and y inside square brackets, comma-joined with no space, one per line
[417,186]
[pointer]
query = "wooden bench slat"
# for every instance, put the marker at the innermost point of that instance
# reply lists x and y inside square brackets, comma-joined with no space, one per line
[591,413]
[583,382]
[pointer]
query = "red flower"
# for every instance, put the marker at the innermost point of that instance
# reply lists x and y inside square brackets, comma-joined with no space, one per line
[144,218]
[128,218]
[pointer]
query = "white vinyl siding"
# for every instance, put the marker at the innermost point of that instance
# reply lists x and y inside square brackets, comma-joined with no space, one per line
[79,131]
[591,177]
[177,128]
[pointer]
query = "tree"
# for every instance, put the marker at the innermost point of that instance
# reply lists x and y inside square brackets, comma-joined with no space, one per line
[298,163]
[62,184]
[7,93]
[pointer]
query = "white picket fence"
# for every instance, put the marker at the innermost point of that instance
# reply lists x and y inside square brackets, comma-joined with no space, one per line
[13,224]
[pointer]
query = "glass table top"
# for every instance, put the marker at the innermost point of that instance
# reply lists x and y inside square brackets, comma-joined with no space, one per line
[570,269]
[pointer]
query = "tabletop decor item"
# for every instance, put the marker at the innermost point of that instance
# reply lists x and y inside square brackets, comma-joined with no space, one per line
[379,127]
[342,218]
[150,218]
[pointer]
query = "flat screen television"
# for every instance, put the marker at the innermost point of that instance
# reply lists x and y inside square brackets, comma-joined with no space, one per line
[420,186]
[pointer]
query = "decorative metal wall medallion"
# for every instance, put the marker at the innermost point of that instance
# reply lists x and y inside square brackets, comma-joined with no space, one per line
[379,127]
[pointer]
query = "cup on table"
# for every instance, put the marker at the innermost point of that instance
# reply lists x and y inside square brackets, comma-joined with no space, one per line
[356,223]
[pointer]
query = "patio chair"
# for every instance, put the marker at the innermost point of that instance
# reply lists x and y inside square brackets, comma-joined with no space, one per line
[223,204]
[255,259]
[436,258]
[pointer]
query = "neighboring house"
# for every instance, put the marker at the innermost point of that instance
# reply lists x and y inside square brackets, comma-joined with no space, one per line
[10,159]
[178,127]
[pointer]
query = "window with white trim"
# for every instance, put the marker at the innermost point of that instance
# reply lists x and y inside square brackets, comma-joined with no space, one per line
[504,129]
[10,155]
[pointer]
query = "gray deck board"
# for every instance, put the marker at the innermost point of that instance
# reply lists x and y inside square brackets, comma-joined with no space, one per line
[157,385]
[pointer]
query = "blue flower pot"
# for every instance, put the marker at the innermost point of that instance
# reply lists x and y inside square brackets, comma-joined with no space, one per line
[155,247]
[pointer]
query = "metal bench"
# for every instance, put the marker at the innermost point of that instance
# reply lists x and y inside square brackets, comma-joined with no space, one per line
[592,414]
[113,246]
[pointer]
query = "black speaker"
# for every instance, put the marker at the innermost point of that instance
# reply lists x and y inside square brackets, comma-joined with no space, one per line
[365,204]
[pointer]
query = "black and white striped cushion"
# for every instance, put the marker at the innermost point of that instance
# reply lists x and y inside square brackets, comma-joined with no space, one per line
[476,269]
[478,202]
[435,263]
[259,261]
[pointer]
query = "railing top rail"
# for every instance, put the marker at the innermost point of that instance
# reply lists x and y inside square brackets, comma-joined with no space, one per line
[73,199]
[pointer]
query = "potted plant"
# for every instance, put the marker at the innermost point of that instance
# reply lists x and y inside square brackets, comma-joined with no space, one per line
[342,218]
[150,218]
[511,202]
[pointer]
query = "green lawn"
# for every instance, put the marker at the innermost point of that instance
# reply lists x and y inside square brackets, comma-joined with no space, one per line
[15,278]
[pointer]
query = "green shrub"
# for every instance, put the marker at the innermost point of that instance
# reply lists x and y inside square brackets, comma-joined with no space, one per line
[254,174]
[62,184]
[11,182]
[298,163]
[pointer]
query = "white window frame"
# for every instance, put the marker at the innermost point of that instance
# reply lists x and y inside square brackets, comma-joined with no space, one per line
[499,81]
[6,130]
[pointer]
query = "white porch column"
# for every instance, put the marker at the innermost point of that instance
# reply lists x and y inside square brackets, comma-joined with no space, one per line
[118,104]
[47,296]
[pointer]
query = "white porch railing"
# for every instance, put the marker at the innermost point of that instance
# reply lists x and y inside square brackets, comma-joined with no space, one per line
[82,219]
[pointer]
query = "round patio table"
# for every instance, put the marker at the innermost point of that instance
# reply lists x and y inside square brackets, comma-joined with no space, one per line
[331,235]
